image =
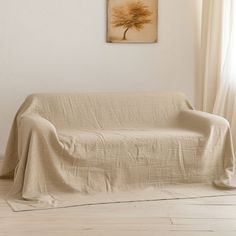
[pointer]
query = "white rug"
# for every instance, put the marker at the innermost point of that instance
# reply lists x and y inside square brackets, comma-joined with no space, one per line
[184,191]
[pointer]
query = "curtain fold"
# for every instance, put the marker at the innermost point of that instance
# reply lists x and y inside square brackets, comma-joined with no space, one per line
[210,54]
[218,60]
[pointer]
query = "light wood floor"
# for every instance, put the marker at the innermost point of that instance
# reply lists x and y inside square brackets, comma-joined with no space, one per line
[204,217]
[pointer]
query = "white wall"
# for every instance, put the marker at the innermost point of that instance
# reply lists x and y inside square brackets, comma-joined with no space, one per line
[59,45]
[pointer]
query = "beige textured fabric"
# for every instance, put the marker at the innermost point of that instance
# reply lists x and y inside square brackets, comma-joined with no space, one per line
[69,149]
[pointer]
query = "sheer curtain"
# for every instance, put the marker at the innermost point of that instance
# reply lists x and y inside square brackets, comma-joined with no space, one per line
[225,104]
[218,60]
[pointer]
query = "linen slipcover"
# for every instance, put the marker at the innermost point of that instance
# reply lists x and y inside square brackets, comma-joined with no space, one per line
[66,149]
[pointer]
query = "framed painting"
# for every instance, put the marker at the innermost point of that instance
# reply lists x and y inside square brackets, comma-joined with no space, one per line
[132,21]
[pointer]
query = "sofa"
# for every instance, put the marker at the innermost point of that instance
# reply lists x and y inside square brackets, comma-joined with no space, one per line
[85,144]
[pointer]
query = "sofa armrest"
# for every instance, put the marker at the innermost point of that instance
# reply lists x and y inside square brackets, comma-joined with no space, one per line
[24,125]
[202,120]
[37,122]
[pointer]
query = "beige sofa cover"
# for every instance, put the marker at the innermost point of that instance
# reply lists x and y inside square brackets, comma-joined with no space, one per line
[67,146]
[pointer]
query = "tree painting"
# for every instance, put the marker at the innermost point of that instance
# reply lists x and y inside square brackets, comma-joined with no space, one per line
[133,15]
[132,21]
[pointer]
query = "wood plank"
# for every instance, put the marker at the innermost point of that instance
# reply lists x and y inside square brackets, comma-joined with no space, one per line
[116,233]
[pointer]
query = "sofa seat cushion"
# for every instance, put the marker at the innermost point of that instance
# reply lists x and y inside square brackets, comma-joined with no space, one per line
[129,143]
[136,156]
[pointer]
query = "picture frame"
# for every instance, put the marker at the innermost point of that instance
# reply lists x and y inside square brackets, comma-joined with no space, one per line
[132,21]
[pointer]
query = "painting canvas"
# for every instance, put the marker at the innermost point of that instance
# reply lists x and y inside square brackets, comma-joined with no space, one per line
[132,21]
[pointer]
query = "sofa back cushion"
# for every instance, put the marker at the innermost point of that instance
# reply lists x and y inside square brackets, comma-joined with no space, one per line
[118,110]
